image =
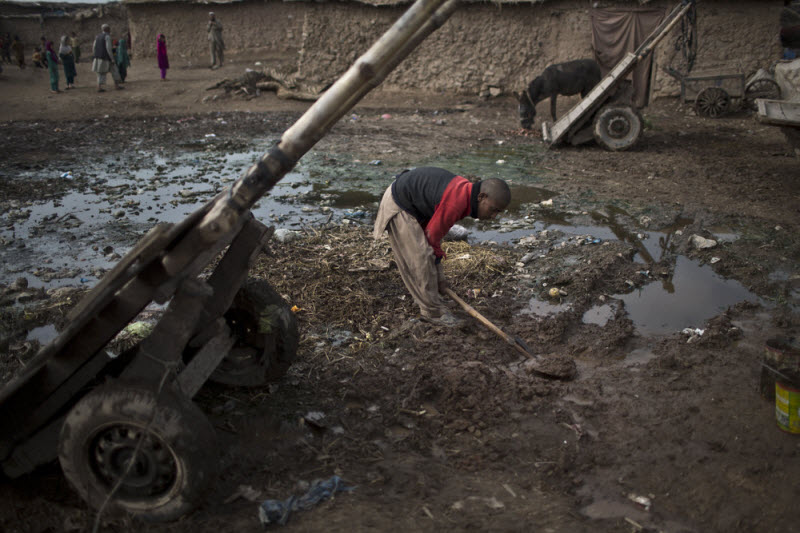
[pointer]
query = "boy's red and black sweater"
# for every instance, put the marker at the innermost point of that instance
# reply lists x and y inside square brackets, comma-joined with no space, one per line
[438,199]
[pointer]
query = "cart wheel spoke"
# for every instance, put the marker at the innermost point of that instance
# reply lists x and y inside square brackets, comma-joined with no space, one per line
[762,88]
[712,102]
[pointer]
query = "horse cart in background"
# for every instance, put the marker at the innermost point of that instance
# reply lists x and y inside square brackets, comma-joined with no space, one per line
[714,95]
[123,426]
[607,114]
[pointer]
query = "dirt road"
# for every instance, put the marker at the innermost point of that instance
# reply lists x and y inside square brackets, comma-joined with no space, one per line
[439,429]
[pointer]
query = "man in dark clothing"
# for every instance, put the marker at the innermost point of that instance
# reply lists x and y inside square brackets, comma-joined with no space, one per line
[418,210]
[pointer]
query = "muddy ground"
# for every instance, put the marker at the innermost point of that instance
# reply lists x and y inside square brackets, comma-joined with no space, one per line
[442,429]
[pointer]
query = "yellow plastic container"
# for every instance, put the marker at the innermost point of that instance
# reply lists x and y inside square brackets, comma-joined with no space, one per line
[787,407]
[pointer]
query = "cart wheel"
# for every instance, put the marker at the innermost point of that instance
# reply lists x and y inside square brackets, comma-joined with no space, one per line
[175,462]
[267,337]
[617,127]
[762,88]
[712,102]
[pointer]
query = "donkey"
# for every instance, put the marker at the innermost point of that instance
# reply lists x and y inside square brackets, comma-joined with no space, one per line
[572,77]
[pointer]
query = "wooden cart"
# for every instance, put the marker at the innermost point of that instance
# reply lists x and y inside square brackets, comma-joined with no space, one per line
[607,114]
[713,95]
[784,115]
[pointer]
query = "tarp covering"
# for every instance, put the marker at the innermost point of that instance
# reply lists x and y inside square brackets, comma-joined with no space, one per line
[615,32]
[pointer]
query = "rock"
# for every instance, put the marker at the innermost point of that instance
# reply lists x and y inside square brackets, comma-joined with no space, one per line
[457,233]
[701,243]
[119,214]
[284,235]
[20,283]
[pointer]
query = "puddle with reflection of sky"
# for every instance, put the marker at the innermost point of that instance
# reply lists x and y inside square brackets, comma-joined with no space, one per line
[151,188]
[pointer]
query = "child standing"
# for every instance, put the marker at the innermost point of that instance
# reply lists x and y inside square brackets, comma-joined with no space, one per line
[52,66]
[163,61]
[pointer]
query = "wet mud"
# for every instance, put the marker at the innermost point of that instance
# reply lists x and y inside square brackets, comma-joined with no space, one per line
[595,265]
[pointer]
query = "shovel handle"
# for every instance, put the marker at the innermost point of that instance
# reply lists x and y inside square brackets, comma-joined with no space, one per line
[485,321]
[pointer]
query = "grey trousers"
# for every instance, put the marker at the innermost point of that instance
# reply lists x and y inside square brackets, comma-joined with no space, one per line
[216,53]
[413,255]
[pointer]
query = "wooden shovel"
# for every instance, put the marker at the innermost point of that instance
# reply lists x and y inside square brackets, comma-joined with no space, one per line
[564,369]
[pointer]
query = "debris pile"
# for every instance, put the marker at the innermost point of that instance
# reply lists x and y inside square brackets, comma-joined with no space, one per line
[287,85]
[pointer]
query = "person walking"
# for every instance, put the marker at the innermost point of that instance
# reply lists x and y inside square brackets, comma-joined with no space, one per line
[19,51]
[76,47]
[123,59]
[52,66]
[65,53]
[161,54]
[215,41]
[417,210]
[103,61]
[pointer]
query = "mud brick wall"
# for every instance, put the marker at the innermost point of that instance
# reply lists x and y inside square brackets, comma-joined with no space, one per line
[505,45]
[268,27]
[33,22]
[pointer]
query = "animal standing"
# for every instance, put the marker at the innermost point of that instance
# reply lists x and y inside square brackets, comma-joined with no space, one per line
[572,77]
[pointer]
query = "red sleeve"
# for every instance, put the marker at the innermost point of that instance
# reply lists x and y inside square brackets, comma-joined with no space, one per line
[454,205]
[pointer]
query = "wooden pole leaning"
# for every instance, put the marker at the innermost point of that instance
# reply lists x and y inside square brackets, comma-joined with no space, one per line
[421,19]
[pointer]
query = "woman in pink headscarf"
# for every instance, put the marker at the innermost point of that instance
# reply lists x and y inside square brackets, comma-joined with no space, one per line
[163,61]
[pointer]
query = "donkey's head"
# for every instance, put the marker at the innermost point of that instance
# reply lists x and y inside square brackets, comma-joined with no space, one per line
[527,109]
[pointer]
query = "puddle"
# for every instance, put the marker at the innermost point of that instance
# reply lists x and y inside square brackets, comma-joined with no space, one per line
[539,308]
[691,296]
[43,334]
[599,315]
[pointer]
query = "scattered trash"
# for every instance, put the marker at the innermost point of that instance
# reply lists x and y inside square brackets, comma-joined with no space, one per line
[527,258]
[701,243]
[353,117]
[67,175]
[644,501]
[491,503]
[355,213]
[244,491]
[693,333]
[546,203]
[501,162]
[277,511]
[284,235]
[209,135]
[84,280]
[296,309]
[386,116]
[440,122]
[376,162]
[554,292]
[473,293]
[714,260]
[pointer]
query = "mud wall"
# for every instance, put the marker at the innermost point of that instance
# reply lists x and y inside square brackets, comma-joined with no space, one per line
[266,27]
[505,45]
[31,22]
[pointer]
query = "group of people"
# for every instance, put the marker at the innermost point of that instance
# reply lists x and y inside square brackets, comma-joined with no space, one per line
[108,56]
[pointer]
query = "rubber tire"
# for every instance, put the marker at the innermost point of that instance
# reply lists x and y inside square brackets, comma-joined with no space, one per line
[259,356]
[609,115]
[180,428]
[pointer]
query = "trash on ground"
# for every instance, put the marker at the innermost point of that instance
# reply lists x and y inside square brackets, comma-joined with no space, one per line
[286,235]
[701,243]
[644,501]
[277,511]
[244,491]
